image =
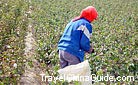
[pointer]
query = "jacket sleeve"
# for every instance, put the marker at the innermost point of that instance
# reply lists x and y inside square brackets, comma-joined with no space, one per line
[85,37]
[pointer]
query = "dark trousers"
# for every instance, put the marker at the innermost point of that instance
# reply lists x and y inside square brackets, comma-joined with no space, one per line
[67,59]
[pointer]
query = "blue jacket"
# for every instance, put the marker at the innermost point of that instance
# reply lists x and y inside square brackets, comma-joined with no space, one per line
[76,38]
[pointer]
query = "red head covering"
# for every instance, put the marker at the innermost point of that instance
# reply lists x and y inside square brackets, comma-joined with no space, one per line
[89,13]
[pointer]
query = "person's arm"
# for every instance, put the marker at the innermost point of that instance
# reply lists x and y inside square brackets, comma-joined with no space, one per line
[85,38]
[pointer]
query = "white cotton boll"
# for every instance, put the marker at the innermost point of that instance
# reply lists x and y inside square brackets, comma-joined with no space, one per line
[15,65]
[8,46]
[24,60]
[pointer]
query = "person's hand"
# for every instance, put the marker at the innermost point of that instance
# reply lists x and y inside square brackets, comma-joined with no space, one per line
[91,49]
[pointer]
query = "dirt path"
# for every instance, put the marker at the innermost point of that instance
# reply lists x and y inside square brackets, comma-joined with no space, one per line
[32,73]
